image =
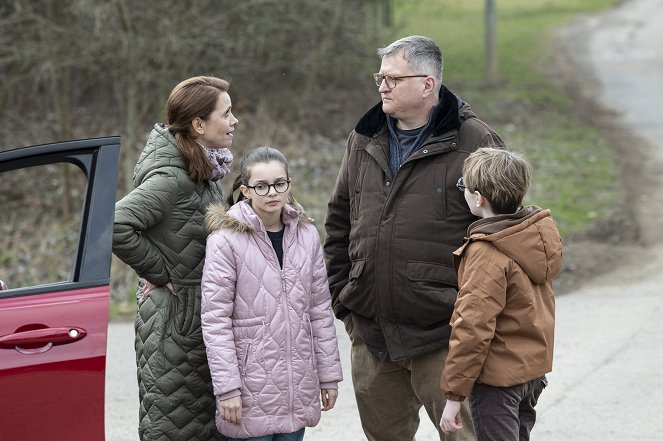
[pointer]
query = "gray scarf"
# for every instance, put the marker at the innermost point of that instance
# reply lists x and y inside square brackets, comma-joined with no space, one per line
[220,160]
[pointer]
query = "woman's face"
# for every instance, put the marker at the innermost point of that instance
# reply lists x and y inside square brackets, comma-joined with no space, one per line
[216,132]
[267,173]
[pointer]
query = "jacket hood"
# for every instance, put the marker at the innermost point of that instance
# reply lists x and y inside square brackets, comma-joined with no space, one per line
[448,114]
[529,237]
[242,218]
[160,151]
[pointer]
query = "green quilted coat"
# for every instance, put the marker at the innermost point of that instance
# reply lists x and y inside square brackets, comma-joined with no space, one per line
[159,232]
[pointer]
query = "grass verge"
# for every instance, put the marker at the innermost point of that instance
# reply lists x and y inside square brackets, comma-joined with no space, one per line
[526,106]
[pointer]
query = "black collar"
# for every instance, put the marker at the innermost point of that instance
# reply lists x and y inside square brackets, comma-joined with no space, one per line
[446,118]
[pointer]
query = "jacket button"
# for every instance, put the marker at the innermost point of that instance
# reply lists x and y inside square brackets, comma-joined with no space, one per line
[387,183]
[425,151]
[438,189]
[453,144]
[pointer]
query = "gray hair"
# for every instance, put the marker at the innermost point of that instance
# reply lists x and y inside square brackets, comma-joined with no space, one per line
[421,53]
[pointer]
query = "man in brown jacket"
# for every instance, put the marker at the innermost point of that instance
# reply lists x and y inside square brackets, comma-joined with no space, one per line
[394,219]
[501,345]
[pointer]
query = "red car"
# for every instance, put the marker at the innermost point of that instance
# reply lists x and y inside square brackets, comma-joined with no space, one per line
[54,310]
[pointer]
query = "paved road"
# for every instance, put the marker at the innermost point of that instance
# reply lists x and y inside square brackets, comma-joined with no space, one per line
[340,424]
[607,382]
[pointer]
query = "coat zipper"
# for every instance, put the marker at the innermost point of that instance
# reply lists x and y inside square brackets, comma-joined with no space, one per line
[246,358]
[286,309]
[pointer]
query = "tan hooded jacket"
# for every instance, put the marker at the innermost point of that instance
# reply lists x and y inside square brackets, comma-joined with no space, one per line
[504,318]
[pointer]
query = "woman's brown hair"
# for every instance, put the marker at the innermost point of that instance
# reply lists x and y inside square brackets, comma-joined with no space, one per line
[195,97]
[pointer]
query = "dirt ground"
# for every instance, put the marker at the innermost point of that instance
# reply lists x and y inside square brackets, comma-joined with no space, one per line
[615,239]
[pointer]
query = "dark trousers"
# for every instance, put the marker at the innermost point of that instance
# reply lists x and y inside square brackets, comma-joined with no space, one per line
[505,413]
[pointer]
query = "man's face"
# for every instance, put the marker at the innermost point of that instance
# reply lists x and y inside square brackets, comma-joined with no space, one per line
[406,98]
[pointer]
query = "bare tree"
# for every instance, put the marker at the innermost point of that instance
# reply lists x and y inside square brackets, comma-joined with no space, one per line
[89,68]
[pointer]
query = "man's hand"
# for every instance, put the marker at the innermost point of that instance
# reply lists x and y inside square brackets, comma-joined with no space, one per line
[349,324]
[451,420]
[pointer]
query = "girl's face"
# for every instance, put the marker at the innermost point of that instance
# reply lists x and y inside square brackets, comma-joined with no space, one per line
[216,132]
[267,177]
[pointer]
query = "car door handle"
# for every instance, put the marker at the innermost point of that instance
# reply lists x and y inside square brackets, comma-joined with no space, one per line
[45,336]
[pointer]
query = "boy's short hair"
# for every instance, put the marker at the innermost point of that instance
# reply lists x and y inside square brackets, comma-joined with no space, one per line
[499,175]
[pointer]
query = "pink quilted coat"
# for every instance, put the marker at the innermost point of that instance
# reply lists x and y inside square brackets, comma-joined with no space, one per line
[269,332]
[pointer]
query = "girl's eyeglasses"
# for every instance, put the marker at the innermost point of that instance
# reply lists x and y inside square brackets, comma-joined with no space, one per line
[262,188]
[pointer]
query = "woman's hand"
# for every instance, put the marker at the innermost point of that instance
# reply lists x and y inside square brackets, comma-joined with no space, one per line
[451,421]
[147,287]
[328,398]
[231,410]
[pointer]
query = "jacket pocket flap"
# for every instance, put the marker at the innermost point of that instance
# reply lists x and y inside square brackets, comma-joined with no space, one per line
[431,272]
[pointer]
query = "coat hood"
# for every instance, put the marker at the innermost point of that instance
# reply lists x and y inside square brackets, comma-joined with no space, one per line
[448,114]
[160,151]
[242,218]
[529,237]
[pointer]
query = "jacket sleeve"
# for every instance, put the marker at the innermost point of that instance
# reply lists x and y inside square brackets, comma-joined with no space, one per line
[135,214]
[481,298]
[337,227]
[217,304]
[322,321]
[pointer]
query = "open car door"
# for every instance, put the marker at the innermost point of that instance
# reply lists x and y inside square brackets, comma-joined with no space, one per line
[56,224]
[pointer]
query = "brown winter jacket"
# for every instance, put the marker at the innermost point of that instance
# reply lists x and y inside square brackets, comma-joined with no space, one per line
[389,241]
[504,321]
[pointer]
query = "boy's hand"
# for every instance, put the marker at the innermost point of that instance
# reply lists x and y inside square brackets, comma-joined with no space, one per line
[451,420]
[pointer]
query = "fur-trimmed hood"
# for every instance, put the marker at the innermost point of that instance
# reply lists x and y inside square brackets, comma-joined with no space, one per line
[243,219]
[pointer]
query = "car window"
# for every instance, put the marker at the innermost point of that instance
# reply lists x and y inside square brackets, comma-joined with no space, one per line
[40,219]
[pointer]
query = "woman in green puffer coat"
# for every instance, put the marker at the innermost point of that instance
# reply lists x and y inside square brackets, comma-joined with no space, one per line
[159,232]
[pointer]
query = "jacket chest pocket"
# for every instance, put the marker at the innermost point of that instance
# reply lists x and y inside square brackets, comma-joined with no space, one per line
[423,190]
[440,191]
[356,190]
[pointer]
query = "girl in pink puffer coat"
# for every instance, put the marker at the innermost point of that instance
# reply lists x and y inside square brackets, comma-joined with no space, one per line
[266,309]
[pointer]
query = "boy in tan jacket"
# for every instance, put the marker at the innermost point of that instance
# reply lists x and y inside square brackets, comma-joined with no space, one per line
[501,343]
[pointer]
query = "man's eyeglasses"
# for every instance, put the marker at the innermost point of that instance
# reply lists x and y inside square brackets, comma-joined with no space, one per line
[460,185]
[391,80]
[262,188]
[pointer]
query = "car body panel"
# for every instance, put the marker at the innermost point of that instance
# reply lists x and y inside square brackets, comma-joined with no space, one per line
[53,335]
